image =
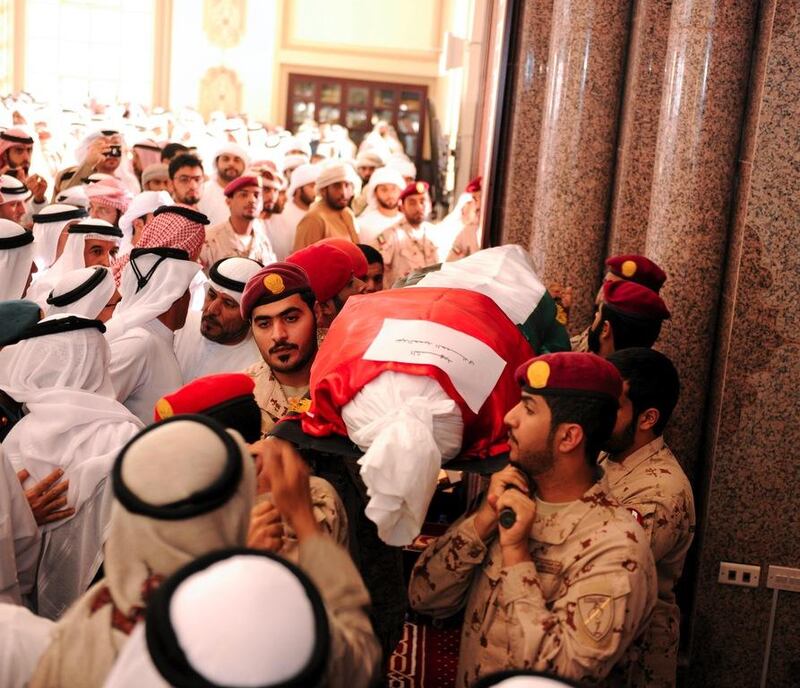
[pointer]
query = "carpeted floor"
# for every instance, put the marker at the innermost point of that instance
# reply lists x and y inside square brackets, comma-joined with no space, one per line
[426,657]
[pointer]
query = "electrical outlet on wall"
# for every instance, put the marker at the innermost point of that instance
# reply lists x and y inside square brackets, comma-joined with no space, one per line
[783,578]
[739,574]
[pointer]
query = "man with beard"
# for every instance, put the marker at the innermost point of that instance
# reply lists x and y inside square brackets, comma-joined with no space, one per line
[241,234]
[382,194]
[628,315]
[366,163]
[282,228]
[628,267]
[554,575]
[16,151]
[407,246]
[330,216]
[218,339]
[186,179]
[281,308]
[230,163]
[644,475]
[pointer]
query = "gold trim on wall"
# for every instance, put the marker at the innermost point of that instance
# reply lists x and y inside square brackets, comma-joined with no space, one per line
[162,52]
[224,22]
[220,89]
[287,41]
[18,39]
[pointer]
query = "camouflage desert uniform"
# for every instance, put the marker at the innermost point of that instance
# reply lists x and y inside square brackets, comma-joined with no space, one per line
[651,481]
[275,400]
[328,511]
[573,610]
[465,243]
[402,253]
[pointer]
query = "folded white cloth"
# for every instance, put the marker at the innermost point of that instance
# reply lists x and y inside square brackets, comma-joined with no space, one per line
[407,426]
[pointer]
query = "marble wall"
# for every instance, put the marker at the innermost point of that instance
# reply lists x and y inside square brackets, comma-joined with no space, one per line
[753,462]
[528,68]
[672,128]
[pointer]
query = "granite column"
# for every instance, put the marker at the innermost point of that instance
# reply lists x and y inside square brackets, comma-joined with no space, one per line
[577,144]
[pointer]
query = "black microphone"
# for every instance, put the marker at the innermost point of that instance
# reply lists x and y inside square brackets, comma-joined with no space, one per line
[508,517]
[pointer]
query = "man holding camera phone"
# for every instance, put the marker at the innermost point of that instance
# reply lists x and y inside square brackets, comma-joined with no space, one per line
[103,154]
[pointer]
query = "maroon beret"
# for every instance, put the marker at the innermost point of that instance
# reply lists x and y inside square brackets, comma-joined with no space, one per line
[329,269]
[637,269]
[273,283]
[475,185]
[413,189]
[630,298]
[357,258]
[570,373]
[241,182]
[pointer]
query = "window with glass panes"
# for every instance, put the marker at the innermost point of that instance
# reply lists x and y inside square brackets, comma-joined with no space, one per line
[359,106]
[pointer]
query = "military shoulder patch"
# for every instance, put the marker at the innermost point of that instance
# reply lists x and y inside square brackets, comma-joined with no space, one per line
[596,614]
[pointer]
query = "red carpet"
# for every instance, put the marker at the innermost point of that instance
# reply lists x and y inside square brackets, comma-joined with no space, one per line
[426,657]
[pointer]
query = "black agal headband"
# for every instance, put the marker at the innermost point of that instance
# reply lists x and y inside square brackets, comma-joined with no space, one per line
[164,646]
[97,276]
[202,501]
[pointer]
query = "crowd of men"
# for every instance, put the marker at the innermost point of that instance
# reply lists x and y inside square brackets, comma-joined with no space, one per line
[229,387]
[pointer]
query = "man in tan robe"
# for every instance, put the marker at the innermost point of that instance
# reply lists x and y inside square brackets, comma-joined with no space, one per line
[330,216]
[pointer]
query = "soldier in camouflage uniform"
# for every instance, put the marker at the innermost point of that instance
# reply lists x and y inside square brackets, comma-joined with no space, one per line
[571,583]
[645,475]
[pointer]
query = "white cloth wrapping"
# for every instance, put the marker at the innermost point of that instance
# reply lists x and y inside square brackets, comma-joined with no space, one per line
[15,263]
[23,638]
[503,273]
[73,423]
[19,539]
[89,305]
[168,283]
[407,426]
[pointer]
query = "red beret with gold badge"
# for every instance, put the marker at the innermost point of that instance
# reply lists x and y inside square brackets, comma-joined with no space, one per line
[570,373]
[273,283]
[637,269]
[357,258]
[226,397]
[329,269]
[413,189]
[632,299]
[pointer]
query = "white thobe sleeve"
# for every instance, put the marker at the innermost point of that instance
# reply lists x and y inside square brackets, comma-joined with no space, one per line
[20,539]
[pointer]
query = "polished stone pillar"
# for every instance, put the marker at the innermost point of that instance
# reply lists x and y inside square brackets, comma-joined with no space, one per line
[578,138]
[529,67]
[699,132]
[636,149]
[753,446]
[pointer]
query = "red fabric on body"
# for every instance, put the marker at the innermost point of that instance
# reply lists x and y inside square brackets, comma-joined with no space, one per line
[340,371]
